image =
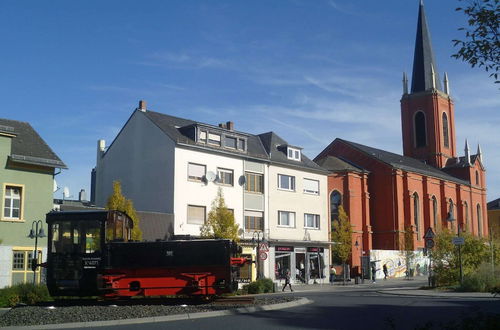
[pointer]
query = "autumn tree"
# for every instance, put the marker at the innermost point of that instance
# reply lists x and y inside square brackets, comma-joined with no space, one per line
[342,239]
[119,202]
[220,222]
[481,45]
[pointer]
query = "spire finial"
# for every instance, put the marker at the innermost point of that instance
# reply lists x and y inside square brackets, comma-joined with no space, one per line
[405,83]
[433,78]
[446,84]
[479,153]
[467,152]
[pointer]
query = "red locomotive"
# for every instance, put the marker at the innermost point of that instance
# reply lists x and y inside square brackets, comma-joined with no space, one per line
[90,254]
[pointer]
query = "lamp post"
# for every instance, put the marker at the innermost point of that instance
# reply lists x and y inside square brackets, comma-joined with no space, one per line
[361,258]
[258,237]
[451,219]
[35,233]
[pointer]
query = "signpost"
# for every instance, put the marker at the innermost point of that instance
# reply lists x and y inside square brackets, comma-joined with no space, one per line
[262,255]
[458,240]
[429,245]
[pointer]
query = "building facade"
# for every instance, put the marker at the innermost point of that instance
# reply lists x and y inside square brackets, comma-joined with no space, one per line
[176,166]
[429,186]
[26,189]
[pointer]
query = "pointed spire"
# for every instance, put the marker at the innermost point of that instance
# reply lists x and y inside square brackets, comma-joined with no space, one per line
[423,60]
[479,153]
[405,83]
[433,78]
[446,84]
[467,152]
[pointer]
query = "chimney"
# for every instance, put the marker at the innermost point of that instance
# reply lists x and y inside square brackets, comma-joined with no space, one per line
[142,106]
[222,125]
[82,196]
[101,147]
[230,125]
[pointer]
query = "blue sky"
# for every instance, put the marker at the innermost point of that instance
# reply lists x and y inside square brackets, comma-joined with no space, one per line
[309,70]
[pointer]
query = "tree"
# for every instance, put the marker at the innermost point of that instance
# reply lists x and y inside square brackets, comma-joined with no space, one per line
[408,248]
[342,239]
[481,45]
[118,202]
[220,222]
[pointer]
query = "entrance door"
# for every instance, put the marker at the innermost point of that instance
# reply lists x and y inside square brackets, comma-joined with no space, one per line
[300,268]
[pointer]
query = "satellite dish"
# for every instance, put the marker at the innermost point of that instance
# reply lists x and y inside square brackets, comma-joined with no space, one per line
[242,180]
[56,188]
[210,176]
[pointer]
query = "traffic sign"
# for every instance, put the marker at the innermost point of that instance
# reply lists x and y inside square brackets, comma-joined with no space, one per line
[458,240]
[263,247]
[429,243]
[429,233]
[262,255]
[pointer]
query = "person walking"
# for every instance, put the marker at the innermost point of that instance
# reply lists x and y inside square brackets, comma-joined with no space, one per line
[374,271]
[287,280]
[384,268]
[333,272]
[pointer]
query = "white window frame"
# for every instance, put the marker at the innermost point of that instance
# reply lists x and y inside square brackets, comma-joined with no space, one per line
[291,182]
[291,219]
[193,177]
[214,139]
[310,191]
[293,153]
[220,177]
[202,137]
[226,138]
[315,218]
[11,199]
[192,221]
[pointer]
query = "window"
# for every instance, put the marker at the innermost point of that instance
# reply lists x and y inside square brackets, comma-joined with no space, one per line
[435,211]
[196,171]
[286,182]
[420,131]
[254,182]
[479,221]
[196,215]
[416,214]
[293,153]
[230,142]
[203,137]
[21,266]
[466,215]
[242,144]
[214,139]
[446,137]
[225,176]
[286,219]
[477,178]
[335,202]
[12,202]
[451,214]
[311,221]
[254,220]
[311,186]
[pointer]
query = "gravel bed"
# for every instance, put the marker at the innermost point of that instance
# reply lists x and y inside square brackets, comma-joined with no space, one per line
[36,315]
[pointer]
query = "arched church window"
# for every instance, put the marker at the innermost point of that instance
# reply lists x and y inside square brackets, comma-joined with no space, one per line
[335,202]
[416,214]
[420,135]
[446,137]
[479,221]
[466,215]
[451,214]
[477,178]
[435,211]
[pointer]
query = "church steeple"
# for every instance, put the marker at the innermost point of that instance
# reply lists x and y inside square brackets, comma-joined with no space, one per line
[425,74]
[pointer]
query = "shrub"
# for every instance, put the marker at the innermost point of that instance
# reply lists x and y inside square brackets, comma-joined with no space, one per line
[264,285]
[23,293]
[483,280]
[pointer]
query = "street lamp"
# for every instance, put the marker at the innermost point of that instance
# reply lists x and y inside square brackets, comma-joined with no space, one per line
[258,237]
[451,219]
[35,233]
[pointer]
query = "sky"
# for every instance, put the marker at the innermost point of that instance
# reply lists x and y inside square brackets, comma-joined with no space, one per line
[309,70]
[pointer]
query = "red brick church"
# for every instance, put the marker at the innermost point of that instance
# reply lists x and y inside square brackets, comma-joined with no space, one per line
[429,186]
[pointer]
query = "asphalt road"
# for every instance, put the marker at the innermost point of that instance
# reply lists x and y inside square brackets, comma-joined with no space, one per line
[353,307]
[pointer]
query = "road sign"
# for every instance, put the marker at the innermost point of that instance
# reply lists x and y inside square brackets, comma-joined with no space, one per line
[429,233]
[429,243]
[263,247]
[262,255]
[458,240]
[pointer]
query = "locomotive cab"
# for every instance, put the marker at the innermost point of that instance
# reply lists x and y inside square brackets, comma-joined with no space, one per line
[76,248]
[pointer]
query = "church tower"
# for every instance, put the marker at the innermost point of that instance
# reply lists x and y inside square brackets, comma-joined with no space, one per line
[427,111]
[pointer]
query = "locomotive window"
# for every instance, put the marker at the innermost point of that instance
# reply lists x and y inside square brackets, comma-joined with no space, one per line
[75,237]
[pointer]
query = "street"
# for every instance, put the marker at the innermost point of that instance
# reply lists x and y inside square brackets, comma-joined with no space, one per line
[381,305]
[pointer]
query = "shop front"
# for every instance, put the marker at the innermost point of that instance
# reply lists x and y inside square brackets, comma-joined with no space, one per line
[306,264]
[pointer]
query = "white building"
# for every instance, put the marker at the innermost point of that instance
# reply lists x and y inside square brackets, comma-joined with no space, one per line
[172,165]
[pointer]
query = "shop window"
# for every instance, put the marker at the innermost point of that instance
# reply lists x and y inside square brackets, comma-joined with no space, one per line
[225,176]
[286,219]
[196,215]
[316,264]
[254,182]
[286,182]
[282,264]
[12,203]
[21,267]
[311,186]
[196,172]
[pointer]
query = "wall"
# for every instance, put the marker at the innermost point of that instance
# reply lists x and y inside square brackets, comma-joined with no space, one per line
[396,263]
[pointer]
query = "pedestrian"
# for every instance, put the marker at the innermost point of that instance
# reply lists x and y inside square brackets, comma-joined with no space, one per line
[374,271]
[287,280]
[333,272]
[385,271]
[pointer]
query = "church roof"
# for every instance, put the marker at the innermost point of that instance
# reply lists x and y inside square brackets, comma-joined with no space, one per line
[462,162]
[404,163]
[338,164]
[423,60]
[494,205]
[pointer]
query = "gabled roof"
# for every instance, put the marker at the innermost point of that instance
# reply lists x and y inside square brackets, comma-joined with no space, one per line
[423,60]
[461,163]
[338,164]
[494,205]
[27,146]
[402,162]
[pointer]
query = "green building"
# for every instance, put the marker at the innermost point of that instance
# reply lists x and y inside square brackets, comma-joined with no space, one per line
[27,169]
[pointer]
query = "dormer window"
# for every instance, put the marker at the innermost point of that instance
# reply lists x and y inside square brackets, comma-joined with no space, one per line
[293,153]
[230,142]
[203,137]
[214,139]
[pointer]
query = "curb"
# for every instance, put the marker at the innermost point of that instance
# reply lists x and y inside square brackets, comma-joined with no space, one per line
[176,317]
[437,295]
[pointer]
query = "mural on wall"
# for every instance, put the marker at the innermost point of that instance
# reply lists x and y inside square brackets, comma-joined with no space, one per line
[396,263]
